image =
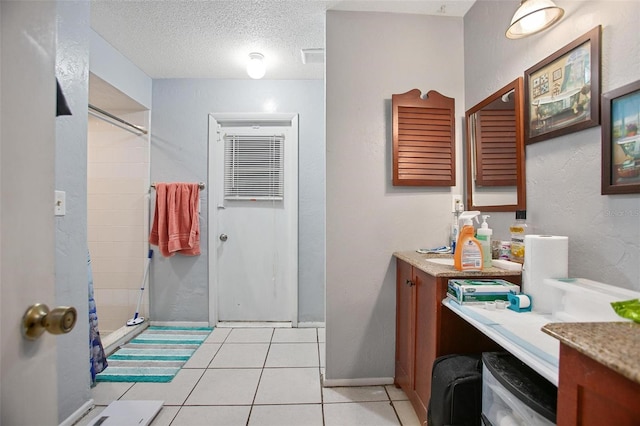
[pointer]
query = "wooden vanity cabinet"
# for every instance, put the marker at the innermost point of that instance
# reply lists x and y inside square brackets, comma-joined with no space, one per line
[426,330]
[590,393]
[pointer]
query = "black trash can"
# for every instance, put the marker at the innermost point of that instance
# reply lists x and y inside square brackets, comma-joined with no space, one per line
[456,391]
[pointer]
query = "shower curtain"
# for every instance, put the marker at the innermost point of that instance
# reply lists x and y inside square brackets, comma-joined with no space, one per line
[97,358]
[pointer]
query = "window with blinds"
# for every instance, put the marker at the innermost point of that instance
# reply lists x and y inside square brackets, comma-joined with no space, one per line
[253,167]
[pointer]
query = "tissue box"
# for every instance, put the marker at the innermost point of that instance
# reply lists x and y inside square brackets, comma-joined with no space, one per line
[477,291]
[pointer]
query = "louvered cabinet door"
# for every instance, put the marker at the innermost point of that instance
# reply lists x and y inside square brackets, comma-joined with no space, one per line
[423,139]
[496,156]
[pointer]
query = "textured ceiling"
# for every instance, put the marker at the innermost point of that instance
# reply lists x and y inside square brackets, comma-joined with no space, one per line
[213,38]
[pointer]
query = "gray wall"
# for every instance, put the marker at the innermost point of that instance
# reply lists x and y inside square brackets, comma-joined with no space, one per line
[371,56]
[72,70]
[563,174]
[179,146]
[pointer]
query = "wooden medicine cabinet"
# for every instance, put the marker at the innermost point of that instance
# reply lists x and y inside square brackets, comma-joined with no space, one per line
[495,151]
[423,139]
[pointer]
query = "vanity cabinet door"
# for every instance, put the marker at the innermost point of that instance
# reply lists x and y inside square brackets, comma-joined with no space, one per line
[427,310]
[404,326]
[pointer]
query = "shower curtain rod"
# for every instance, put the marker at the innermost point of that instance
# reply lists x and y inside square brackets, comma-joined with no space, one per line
[118,119]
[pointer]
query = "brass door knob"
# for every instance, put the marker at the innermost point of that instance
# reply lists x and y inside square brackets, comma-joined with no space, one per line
[38,319]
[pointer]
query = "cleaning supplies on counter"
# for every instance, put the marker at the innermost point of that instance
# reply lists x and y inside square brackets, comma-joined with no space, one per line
[455,225]
[518,231]
[484,236]
[468,254]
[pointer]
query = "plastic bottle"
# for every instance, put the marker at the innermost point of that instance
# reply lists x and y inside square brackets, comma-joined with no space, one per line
[484,236]
[468,255]
[518,230]
[455,230]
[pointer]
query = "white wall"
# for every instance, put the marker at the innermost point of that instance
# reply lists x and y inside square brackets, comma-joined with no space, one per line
[72,69]
[118,211]
[563,174]
[371,56]
[179,149]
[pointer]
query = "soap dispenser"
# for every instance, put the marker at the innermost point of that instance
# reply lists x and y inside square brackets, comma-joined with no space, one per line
[484,236]
[468,255]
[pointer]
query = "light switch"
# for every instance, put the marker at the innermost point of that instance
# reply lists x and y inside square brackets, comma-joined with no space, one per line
[60,207]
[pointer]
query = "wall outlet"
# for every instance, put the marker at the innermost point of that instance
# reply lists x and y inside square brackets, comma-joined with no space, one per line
[456,202]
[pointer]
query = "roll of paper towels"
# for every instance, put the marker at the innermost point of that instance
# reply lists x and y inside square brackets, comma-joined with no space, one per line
[545,256]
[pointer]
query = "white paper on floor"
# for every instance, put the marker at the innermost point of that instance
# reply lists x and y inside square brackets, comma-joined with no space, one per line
[128,413]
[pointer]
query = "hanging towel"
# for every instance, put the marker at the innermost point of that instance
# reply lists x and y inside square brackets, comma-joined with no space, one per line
[97,357]
[176,225]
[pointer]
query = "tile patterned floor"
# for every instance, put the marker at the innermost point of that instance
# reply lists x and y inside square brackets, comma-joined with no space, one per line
[260,377]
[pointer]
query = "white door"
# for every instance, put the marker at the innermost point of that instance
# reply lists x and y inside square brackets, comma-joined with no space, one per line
[254,220]
[27,148]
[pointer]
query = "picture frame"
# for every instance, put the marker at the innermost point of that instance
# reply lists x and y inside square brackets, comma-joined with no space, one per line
[621,140]
[562,92]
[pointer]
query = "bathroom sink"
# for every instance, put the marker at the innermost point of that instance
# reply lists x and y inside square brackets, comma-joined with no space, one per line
[441,261]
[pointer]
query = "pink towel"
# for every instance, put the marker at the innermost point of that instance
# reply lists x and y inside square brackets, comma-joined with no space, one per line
[176,225]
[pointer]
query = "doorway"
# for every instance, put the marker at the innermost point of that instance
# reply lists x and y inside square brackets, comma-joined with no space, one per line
[117,206]
[253,170]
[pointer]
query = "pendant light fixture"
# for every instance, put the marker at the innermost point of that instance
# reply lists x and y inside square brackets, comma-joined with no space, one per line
[533,16]
[255,67]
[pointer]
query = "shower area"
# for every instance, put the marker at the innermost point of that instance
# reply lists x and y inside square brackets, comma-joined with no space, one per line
[117,207]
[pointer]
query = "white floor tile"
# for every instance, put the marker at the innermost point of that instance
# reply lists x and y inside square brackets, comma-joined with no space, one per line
[289,386]
[212,416]
[104,393]
[360,414]
[250,335]
[322,348]
[202,356]
[218,335]
[225,387]
[293,355]
[295,335]
[92,414]
[396,394]
[322,335]
[172,393]
[286,415]
[165,416]
[241,355]
[354,394]
[407,414]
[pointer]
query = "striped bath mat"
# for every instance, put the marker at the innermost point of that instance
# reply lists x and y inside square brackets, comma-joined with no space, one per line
[155,355]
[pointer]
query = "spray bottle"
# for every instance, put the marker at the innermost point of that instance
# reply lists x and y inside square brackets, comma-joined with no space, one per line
[468,255]
[484,236]
[455,227]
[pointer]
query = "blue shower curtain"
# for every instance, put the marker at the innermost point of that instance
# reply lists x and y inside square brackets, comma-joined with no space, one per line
[97,358]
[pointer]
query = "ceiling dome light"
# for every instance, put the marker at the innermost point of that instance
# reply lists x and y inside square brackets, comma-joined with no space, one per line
[255,67]
[533,16]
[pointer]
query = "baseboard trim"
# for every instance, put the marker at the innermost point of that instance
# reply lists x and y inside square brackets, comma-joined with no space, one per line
[180,323]
[252,324]
[78,414]
[311,324]
[368,381]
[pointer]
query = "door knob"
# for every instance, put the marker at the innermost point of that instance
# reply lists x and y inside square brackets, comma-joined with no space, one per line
[223,237]
[38,319]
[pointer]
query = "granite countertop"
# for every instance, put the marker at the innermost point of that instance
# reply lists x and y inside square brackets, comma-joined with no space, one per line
[439,270]
[613,344]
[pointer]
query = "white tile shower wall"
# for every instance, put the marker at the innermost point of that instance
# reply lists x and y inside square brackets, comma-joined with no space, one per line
[118,218]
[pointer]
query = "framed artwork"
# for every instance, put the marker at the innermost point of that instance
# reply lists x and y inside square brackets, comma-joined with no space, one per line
[562,92]
[621,140]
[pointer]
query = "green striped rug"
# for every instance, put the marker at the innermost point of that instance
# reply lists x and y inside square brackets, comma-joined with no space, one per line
[155,355]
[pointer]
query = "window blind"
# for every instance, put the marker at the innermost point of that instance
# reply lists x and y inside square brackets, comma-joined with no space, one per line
[253,167]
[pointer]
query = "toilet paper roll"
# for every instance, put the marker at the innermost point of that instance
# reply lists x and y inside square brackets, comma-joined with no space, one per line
[545,256]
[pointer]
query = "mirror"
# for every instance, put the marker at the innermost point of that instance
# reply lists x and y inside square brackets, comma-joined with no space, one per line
[495,152]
